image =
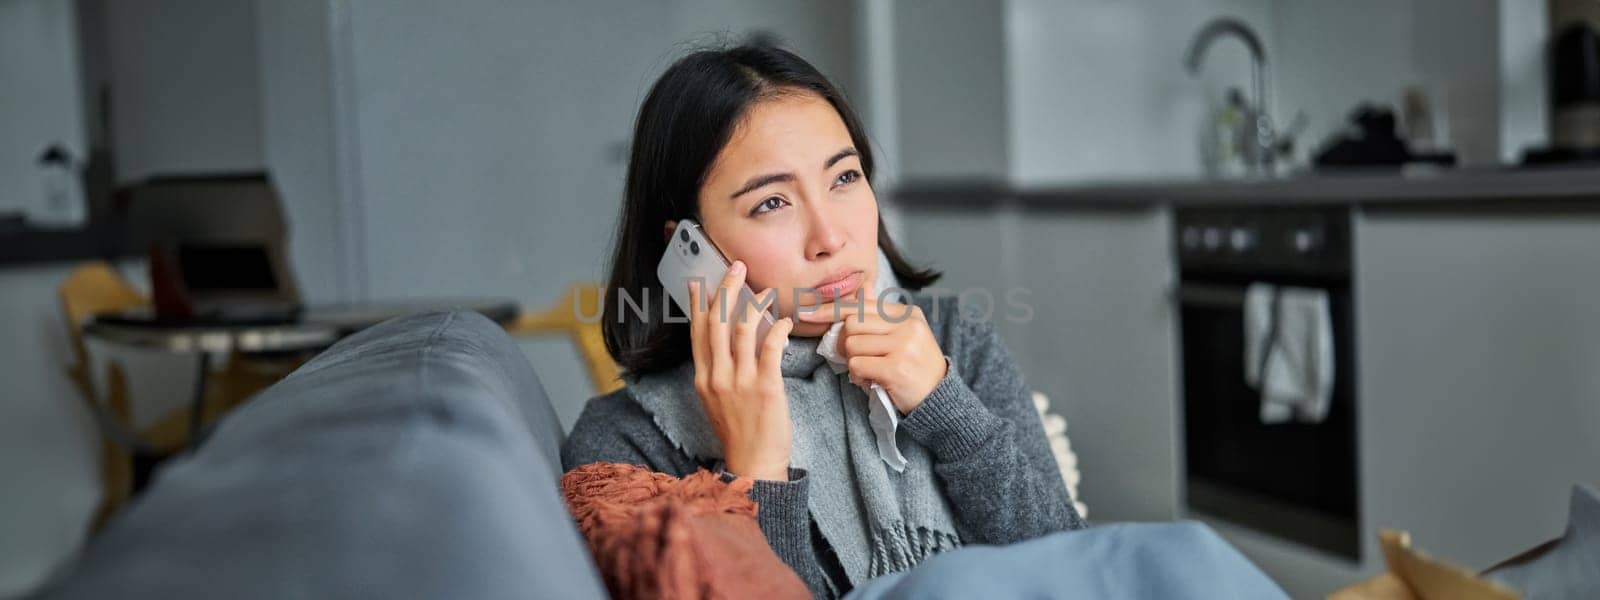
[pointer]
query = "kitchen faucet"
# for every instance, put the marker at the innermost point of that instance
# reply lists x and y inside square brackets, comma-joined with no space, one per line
[1260,154]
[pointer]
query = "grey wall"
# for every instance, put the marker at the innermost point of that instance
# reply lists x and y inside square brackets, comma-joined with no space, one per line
[877,94]
[1098,89]
[43,102]
[298,128]
[1524,91]
[950,78]
[186,95]
[818,31]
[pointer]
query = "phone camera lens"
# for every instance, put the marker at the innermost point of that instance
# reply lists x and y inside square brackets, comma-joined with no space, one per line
[683,235]
[694,248]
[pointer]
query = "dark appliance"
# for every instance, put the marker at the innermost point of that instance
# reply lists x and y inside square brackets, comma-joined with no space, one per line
[1574,72]
[1296,481]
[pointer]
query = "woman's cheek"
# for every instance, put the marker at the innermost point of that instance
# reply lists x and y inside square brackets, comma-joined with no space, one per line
[767,272]
[865,216]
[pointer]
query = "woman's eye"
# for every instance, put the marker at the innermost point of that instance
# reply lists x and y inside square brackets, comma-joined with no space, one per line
[847,177]
[770,204]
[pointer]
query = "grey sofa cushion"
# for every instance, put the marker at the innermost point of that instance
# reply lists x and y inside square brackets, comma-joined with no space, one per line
[417,459]
[1568,567]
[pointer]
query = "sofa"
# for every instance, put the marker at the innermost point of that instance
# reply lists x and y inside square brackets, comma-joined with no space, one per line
[418,458]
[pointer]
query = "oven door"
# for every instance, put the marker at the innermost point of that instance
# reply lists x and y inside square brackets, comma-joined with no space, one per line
[1297,481]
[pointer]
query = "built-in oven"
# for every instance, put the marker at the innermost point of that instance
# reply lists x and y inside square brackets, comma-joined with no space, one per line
[1294,480]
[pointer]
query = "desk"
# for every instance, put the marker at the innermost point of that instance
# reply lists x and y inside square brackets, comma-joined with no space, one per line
[312,329]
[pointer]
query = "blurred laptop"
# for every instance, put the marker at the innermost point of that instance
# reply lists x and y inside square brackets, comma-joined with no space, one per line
[233,283]
[216,247]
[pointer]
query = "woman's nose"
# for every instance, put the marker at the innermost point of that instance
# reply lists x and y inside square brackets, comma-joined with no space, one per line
[825,237]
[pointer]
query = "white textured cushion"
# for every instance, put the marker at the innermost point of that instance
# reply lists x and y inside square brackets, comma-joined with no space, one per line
[1055,428]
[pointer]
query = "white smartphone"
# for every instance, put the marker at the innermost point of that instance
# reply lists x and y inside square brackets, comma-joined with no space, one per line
[692,256]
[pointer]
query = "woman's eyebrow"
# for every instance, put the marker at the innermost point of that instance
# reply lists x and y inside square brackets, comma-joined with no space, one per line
[760,181]
[840,155]
[764,180]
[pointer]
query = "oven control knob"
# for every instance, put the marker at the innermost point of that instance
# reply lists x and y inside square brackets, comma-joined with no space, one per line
[1213,238]
[1241,240]
[1191,238]
[1305,241]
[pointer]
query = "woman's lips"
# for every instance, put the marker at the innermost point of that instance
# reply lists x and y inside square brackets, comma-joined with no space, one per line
[839,287]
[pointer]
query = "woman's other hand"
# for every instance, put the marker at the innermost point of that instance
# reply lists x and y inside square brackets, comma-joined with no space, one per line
[739,382]
[889,344]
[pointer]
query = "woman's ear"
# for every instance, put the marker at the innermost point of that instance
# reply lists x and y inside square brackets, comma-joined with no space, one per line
[667,229]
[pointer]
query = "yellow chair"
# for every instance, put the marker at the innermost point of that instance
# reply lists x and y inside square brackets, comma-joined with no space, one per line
[564,318]
[96,288]
[92,289]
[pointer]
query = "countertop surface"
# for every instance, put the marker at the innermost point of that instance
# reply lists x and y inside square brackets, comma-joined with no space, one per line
[1566,187]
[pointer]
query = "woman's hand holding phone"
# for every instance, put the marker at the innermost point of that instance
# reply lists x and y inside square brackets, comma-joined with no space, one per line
[739,382]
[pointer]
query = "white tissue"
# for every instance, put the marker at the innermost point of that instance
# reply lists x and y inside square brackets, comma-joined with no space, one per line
[880,410]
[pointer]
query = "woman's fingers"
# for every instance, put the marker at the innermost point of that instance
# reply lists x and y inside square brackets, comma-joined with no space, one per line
[719,332]
[747,321]
[697,336]
[869,315]
[869,344]
[777,339]
[868,323]
[871,368]
[829,312]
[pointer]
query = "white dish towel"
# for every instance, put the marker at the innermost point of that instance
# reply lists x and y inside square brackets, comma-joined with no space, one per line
[1288,352]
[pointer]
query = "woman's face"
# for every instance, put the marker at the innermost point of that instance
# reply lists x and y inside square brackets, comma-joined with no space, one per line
[788,197]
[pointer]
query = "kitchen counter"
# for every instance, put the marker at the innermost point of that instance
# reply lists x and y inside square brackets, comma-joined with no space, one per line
[1564,188]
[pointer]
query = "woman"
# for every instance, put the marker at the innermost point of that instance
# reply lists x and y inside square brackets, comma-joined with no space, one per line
[759,148]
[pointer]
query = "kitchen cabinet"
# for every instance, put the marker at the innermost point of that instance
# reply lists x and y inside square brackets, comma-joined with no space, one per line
[1479,343]
[1098,341]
